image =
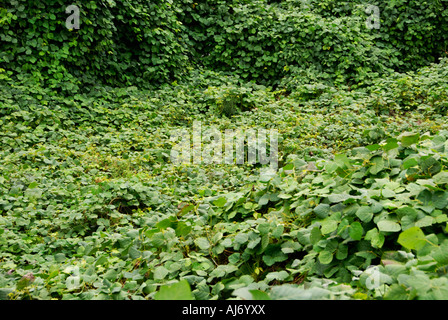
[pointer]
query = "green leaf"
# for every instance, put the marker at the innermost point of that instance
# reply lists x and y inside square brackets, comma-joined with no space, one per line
[418,281]
[342,161]
[278,231]
[220,202]
[335,198]
[241,238]
[440,199]
[101,260]
[441,178]
[60,257]
[341,252]
[325,257]
[331,166]
[397,292]
[412,238]
[391,143]
[264,228]
[183,229]
[264,199]
[315,235]
[377,165]
[356,231]
[373,147]
[328,226]
[408,139]
[259,295]
[388,226]
[376,238]
[165,224]
[72,282]
[277,275]
[33,185]
[160,273]
[4,292]
[274,254]
[441,254]
[430,166]
[202,243]
[365,213]
[177,291]
[409,163]
[322,210]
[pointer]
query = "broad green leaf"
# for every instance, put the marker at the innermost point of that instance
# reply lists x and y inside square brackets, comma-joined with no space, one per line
[72,282]
[60,257]
[387,193]
[33,185]
[222,270]
[441,218]
[101,260]
[328,226]
[424,222]
[274,254]
[325,257]
[278,231]
[264,228]
[373,147]
[183,229]
[160,272]
[4,292]
[441,177]
[417,281]
[202,243]
[441,254]
[241,238]
[365,213]
[397,292]
[391,143]
[376,238]
[388,226]
[234,258]
[264,199]
[177,291]
[409,163]
[331,166]
[408,139]
[259,295]
[412,238]
[220,202]
[315,235]
[430,166]
[377,165]
[291,292]
[322,210]
[356,231]
[165,223]
[440,199]
[342,161]
[335,198]
[341,252]
[277,275]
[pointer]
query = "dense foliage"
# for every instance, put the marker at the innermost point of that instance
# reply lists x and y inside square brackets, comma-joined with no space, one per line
[118,43]
[139,43]
[92,208]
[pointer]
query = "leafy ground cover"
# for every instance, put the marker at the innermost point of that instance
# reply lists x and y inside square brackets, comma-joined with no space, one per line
[91,207]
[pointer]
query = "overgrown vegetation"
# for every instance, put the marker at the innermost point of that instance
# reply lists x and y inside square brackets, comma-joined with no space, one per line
[92,208]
